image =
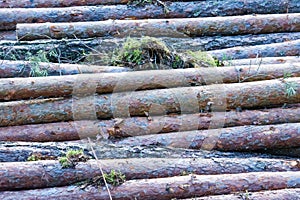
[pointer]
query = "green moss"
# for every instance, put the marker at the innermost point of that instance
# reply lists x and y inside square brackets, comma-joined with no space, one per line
[72,158]
[32,158]
[200,59]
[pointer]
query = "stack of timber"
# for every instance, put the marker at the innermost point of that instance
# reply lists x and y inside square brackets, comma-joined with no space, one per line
[226,132]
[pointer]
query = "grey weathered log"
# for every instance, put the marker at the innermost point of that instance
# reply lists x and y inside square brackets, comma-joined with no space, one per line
[97,50]
[183,27]
[27,175]
[12,69]
[84,104]
[291,194]
[262,61]
[240,6]
[134,126]
[13,16]
[242,138]
[291,48]
[168,188]
[8,35]
[20,151]
[58,86]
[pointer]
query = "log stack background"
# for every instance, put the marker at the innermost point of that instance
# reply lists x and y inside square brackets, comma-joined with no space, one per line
[230,132]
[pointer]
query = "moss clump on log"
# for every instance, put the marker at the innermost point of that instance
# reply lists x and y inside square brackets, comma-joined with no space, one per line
[151,53]
[72,158]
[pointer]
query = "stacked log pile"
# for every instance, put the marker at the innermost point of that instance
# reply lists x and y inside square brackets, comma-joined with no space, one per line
[226,132]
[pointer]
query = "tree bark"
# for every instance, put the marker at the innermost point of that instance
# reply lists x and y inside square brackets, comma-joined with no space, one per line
[291,194]
[27,175]
[12,69]
[262,61]
[229,5]
[58,86]
[94,51]
[232,25]
[84,104]
[20,151]
[11,17]
[243,138]
[291,48]
[8,35]
[135,126]
[174,187]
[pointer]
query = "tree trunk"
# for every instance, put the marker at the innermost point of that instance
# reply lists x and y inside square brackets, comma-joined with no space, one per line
[58,86]
[183,27]
[135,126]
[262,61]
[173,187]
[291,48]
[12,69]
[8,35]
[28,175]
[20,151]
[11,17]
[94,51]
[291,194]
[242,138]
[84,104]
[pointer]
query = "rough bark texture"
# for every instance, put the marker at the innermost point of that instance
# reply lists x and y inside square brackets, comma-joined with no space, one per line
[20,151]
[86,105]
[97,49]
[291,48]
[12,69]
[11,17]
[229,6]
[232,25]
[262,61]
[168,188]
[66,131]
[243,138]
[291,194]
[58,86]
[28,175]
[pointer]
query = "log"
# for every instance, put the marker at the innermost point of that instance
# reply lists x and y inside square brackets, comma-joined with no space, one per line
[135,126]
[173,187]
[8,35]
[268,50]
[85,104]
[292,194]
[12,69]
[58,86]
[242,138]
[183,27]
[27,175]
[20,151]
[94,50]
[252,6]
[262,61]
[11,17]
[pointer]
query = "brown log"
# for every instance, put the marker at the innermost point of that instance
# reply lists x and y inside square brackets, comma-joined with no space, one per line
[268,50]
[67,131]
[242,138]
[20,151]
[291,194]
[58,86]
[173,187]
[27,175]
[262,61]
[10,69]
[183,27]
[147,11]
[94,50]
[84,104]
